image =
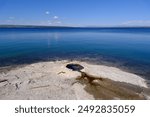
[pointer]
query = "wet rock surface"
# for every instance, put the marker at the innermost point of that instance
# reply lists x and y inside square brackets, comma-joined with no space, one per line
[75,67]
[103,88]
[65,80]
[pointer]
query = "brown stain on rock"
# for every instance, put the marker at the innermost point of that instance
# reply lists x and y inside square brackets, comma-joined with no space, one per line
[103,88]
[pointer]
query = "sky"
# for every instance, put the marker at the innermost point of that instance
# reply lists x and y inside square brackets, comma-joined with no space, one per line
[75,12]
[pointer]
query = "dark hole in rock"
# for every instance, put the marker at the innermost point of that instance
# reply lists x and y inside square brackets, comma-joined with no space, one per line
[75,67]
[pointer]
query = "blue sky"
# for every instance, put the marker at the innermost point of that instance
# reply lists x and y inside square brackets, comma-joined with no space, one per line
[75,12]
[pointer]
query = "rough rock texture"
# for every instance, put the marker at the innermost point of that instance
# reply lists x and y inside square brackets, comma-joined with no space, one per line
[52,80]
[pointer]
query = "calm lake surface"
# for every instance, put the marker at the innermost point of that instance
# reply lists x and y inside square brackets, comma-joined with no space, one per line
[128,47]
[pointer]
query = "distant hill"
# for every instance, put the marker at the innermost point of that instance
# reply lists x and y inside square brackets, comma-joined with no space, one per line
[39,26]
[30,26]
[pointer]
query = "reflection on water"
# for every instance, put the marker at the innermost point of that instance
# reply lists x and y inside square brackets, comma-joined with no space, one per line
[56,36]
[50,36]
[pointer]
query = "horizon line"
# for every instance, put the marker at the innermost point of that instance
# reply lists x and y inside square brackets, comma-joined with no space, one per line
[115,26]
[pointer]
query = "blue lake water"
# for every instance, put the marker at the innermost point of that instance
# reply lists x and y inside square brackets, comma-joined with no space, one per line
[128,46]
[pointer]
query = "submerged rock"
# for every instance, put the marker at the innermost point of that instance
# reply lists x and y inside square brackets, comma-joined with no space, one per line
[75,67]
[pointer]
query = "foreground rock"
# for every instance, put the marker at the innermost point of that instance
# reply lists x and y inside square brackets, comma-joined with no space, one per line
[53,80]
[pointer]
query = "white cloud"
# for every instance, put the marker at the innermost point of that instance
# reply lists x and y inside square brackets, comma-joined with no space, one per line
[47,12]
[58,22]
[55,17]
[11,18]
[8,20]
[49,22]
[137,23]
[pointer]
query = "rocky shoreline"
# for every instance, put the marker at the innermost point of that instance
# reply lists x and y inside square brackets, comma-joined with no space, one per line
[53,80]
